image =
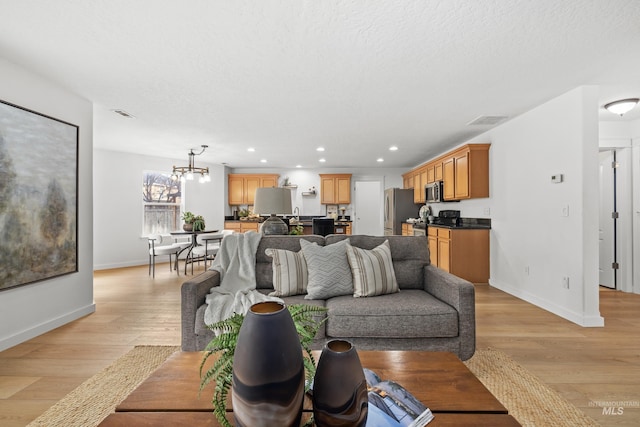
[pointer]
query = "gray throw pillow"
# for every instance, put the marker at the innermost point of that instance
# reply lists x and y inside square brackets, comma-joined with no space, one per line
[329,271]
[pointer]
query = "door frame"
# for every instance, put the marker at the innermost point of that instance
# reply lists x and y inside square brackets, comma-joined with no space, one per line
[624,197]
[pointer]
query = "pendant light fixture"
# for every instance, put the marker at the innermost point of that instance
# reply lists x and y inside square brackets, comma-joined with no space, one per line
[187,172]
[622,106]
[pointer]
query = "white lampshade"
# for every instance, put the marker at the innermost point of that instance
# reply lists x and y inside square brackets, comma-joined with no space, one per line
[622,106]
[272,201]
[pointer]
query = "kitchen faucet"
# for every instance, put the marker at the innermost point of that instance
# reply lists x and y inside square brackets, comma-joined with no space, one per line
[297,209]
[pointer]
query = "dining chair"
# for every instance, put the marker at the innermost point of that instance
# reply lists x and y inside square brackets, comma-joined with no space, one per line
[207,246]
[157,249]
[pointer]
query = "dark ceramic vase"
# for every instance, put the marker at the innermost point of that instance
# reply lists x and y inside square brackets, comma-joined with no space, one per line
[268,372]
[339,387]
[187,226]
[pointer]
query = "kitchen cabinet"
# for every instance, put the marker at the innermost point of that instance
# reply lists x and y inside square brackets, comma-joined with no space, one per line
[464,172]
[462,252]
[448,179]
[335,189]
[242,187]
[241,226]
[407,229]
[431,173]
[437,171]
[407,180]
[419,181]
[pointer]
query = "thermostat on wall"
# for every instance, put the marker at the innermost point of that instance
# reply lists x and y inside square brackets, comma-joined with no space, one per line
[557,178]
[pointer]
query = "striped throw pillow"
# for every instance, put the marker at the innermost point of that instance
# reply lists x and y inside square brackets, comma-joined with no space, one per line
[372,270]
[290,276]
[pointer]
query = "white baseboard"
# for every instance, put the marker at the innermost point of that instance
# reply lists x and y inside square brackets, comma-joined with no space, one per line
[47,326]
[120,265]
[572,316]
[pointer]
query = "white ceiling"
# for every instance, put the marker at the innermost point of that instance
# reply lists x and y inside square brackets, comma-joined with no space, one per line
[287,76]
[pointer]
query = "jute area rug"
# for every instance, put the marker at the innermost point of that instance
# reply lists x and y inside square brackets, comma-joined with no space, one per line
[527,399]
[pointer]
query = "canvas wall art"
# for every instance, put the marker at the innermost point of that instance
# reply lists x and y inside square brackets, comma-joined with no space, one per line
[38,197]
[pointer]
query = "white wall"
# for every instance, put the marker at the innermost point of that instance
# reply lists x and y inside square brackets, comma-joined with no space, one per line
[528,228]
[33,309]
[308,178]
[118,204]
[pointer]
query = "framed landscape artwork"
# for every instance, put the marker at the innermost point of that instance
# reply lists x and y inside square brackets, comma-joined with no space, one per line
[38,197]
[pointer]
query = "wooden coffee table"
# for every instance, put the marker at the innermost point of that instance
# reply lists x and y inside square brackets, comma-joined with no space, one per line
[444,384]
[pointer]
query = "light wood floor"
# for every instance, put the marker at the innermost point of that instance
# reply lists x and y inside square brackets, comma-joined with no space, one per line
[585,365]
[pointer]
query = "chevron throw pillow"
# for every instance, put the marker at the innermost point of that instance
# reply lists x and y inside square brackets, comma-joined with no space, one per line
[329,271]
[289,272]
[372,270]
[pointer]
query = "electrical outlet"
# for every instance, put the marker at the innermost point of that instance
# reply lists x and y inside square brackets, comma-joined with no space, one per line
[487,211]
[565,210]
[565,282]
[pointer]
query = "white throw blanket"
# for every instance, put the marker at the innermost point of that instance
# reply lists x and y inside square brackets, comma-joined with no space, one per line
[236,262]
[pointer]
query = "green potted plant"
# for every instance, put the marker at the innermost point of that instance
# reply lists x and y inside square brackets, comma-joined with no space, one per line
[297,230]
[224,344]
[198,223]
[188,218]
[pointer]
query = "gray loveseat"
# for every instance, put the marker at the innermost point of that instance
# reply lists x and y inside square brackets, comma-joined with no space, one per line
[434,310]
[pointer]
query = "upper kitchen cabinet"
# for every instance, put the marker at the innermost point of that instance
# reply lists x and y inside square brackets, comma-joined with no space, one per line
[242,187]
[407,180]
[419,181]
[466,172]
[335,189]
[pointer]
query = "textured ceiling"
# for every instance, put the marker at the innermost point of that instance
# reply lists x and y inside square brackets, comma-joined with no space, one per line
[287,76]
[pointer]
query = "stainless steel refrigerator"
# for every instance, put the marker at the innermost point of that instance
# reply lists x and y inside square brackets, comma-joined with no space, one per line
[398,206]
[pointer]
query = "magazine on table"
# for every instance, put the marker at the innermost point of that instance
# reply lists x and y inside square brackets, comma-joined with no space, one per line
[391,405]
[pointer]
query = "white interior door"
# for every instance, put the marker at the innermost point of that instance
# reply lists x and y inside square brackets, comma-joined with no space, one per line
[368,208]
[606,226]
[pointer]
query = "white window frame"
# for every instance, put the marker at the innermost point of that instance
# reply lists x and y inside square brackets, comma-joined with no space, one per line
[162,202]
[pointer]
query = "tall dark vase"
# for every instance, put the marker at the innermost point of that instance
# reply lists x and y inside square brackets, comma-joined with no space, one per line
[339,387]
[268,372]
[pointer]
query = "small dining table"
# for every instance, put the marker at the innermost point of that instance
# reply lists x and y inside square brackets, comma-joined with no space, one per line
[194,242]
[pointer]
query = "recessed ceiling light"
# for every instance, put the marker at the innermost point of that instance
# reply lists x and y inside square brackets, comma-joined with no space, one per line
[263,160]
[298,166]
[393,148]
[322,160]
[251,149]
[320,149]
[380,160]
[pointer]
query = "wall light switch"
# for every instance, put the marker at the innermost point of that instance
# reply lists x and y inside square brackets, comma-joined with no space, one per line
[565,210]
[557,178]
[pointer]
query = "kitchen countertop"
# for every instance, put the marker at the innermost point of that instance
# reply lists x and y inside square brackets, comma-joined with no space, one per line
[462,226]
[465,224]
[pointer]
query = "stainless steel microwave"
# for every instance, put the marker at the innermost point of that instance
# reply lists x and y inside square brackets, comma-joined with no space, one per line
[433,193]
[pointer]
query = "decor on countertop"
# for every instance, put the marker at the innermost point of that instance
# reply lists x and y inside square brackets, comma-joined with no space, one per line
[187,172]
[273,201]
[267,327]
[38,196]
[339,387]
[298,230]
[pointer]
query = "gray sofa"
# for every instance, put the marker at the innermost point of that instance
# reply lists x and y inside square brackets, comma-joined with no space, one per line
[434,310]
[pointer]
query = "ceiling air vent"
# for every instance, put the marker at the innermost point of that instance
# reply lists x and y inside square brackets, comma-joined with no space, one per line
[124,114]
[487,120]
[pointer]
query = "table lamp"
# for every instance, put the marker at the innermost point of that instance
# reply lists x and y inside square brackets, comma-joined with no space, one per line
[273,201]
